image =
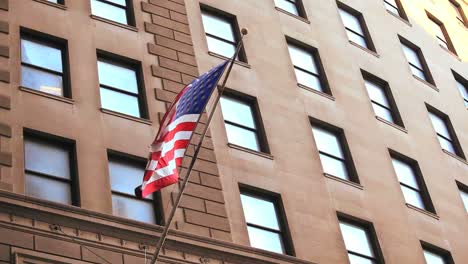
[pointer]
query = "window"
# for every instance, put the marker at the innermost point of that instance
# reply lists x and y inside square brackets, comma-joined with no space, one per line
[462,85]
[241,119]
[120,11]
[459,12]
[222,33]
[294,7]
[61,2]
[307,66]
[50,171]
[396,8]
[416,61]
[360,241]
[355,26]
[121,85]
[266,221]
[125,174]
[445,132]
[44,63]
[441,34]
[334,153]
[381,98]
[463,194]
[411,182]
[436,255]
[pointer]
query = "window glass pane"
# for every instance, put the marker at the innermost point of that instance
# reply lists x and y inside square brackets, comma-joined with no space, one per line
[413,197]
[218,26]
[220,47]
[110,12]
[46,158]
[308,80]
[350,21]
[356,38]
[463,90]
[412,56]
[119,102]
[439,125]
[117,77]
[259,212]
[353,259]
[447,145]
[382,112]
[438,30]
[377,93]
[392,3]
[405,173]
[135,209]
[327,142]
[237,112]
[334,167]
[41,81]
[119,2]
[432,258]
[48,189]
[41,55]
[288,6]
[443,43]
[356,239]
[303,59]
[265,240]
[242,137]
[418,72]
[457,11]
[125,175]
[392,9]
[464,196]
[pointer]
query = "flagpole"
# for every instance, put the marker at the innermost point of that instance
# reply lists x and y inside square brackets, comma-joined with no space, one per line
[163,237]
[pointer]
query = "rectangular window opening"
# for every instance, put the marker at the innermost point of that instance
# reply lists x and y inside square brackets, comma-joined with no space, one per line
[355,26]
[120,11]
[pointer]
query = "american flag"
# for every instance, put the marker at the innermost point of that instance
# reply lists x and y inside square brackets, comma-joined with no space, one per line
[175,131]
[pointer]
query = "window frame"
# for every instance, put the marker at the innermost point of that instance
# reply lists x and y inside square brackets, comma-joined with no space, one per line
[367,76]
[299,6]
[340,135]
[71,146]
[462,188]
[362,23]
[277,201]
[426,71]
[464,82]
[448,124]
[445,254]
[459,8]
[232,19]
[401,10]
[129,11]
[371,233]
[423,190]
[54,42]
[318,62]
[257,118]
[128,63]
[447,40]
[157,197]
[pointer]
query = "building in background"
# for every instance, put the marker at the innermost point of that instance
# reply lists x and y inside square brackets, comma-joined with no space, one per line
[342,138]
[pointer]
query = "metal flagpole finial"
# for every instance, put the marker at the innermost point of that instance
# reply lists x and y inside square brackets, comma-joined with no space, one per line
[244,31]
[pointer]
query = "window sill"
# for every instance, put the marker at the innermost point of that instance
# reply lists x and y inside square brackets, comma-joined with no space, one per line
[392,124]
[401,19]
[455,156]
[132,118]
[371,52]
[251,151]
[243,64]
[450,52]
[59,6]
[316,91]
[47,95]
[105,20]
[423,211]
[292,15]
[338,179]
[426,83]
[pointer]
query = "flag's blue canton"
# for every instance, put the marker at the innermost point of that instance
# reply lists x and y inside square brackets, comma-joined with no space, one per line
[198,93]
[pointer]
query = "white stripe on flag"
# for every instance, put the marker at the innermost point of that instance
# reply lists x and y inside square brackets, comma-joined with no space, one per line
[182,119]
[165,171]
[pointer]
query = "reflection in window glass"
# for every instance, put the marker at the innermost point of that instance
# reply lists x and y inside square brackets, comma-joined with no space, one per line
[353,27]
[358,244]
[409,183]
[219,34]
[433,258]
[414,61]
[443,134]
[111,9]
[288,5]
[463,91]
[464,196]
[305,67]
[380,102]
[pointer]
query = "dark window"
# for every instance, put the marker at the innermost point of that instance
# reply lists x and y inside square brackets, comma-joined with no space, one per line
[459,12]
[44,63]
[222,32]
[355,26]
[307,66]
[266,220]
[120,11]
[126,172]
[462,85]
[360,240]
[411,182]
[441,34]
[416,61]
[121,85]
[333,150]
[445,132]
[463,194]
[50,168]
[61,2]
[242,122]
[294,7]
[395,7]
[382,99]
[436,255]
